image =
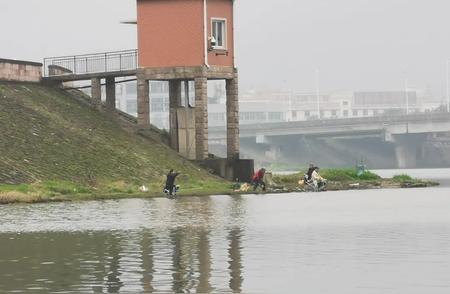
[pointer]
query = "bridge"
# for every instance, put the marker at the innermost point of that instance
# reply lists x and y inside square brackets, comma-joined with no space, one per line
[188,126]
[403,131]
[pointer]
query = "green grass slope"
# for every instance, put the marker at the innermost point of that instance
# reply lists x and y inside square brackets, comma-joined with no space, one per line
[50,140]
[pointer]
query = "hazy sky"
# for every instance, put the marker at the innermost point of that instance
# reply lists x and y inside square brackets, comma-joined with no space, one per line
[357,44]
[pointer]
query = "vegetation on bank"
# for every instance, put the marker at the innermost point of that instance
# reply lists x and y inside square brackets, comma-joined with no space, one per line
[53,191]
[54,147]
[349,179]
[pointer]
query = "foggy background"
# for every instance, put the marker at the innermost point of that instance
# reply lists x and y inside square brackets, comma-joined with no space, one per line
[356,44]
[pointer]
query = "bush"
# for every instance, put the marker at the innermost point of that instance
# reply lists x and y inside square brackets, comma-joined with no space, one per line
[64,187]
[338,175]
[24,188]
[402,178]
[334,175]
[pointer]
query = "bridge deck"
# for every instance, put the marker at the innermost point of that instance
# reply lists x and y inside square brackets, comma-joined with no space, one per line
[87,66]
[88,76]
[414,123]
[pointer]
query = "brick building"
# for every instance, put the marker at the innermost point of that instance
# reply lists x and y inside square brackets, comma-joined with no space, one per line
[182,41]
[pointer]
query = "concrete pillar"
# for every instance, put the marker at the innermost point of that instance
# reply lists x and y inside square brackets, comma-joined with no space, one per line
[232,118]
[96,92]
[143,103]
[174,103]
[110,94]
[407,149]
[201,118]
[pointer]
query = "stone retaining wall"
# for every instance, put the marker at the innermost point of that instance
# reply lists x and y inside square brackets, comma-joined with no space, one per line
[20,71]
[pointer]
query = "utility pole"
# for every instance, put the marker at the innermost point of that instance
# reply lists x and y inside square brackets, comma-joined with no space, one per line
[318,92]
[407,96]
[448,85]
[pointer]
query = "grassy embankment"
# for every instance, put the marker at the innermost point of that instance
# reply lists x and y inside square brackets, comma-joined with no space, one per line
[55,148]
[348,179]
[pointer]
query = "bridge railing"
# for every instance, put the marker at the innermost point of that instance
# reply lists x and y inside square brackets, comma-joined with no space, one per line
[91,63]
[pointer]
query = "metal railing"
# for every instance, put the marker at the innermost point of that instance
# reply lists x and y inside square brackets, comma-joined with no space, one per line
[91,63]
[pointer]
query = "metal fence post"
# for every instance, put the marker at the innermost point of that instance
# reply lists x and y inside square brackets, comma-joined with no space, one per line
[106,62]
[136,58]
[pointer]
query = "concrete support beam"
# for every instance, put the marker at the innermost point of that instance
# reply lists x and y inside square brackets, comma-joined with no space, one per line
[201,118]
[232,118]
[96,92]
[408,148]
[110,94]
[143,103]
[174,103]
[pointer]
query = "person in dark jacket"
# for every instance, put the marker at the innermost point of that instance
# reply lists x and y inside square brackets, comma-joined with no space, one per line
[258,179]
[308,175]
[170,182]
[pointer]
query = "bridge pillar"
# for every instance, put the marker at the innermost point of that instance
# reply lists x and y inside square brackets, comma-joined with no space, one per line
[174,104]
[143,103]
[201,118]
[232,118]
[96,92]
[110,94]
[408,147]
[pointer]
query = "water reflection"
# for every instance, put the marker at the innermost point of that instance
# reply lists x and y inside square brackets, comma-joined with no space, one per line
[147,262]
[235,260]
[177,258]
[102,263]
[258,244]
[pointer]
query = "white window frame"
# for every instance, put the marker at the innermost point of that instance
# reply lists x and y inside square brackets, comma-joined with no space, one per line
[225,31]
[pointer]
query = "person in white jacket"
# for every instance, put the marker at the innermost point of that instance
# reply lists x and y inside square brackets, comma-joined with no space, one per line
[318,180]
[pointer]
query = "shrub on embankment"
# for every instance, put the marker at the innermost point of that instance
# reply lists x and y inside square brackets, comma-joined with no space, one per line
[51,142]
[348,179]
[334,175]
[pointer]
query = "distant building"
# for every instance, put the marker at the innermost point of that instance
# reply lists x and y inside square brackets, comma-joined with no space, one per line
[283,106]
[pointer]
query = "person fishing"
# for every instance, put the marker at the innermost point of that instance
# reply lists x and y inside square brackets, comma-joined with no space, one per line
[170,182]
[309,173]
[319,182]
[258,179]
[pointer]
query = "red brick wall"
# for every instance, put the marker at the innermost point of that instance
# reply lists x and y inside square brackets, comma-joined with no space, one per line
[171,33]
[222,9]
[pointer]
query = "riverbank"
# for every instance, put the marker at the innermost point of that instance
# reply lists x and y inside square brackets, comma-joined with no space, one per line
[338,180]
[55,148]
[349,179]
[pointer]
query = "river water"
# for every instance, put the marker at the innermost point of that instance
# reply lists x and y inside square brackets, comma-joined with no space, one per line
[377,241]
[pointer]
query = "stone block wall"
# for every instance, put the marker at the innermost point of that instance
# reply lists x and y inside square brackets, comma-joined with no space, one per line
[20,71]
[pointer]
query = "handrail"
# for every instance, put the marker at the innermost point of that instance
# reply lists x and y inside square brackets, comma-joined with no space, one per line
[91,63]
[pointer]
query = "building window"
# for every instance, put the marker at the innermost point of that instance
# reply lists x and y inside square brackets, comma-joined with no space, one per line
[219,33]
[132,106]
[345,113]
[277,116]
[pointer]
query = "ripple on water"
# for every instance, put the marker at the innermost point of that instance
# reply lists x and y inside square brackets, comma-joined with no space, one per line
[358,242]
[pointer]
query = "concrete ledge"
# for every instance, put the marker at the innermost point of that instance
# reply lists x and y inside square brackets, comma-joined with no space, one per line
[186,73]
[231,169]
[13,61]
[20,71]
[90,76]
